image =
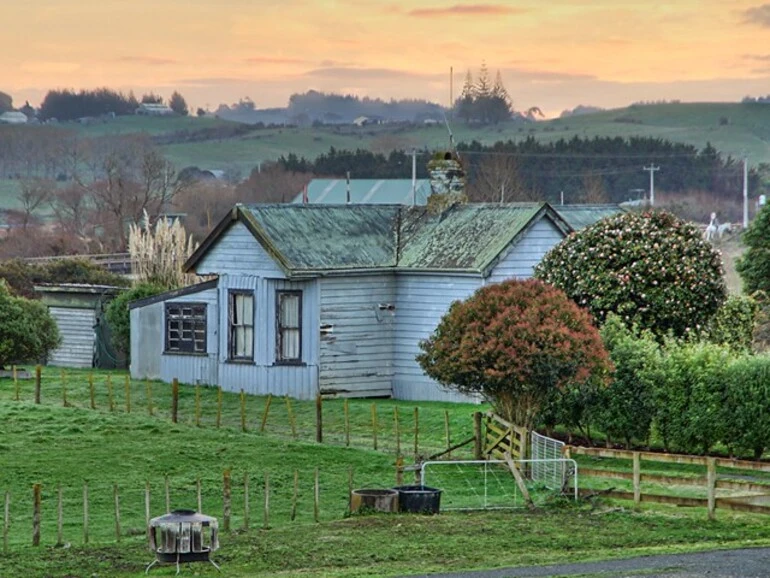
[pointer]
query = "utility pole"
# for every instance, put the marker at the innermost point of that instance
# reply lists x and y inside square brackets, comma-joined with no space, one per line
[745,193]
[414,177]
[502,193]
[347,187]
[652,168]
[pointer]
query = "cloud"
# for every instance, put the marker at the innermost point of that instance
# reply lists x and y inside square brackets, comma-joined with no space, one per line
[361,73]
[466,10]
[147,60]
[757,15]
[757,57]
[274,60]
[210,81]
[530,75]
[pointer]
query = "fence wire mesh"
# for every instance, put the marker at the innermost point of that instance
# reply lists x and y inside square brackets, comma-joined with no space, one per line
[543,451]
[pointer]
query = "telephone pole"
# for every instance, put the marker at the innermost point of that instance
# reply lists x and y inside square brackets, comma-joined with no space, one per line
[745,193]
[652,168]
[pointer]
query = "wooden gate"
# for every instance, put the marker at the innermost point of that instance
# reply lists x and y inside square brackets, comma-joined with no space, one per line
[501,437]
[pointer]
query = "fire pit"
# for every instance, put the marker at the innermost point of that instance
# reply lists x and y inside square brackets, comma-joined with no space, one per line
[183,536]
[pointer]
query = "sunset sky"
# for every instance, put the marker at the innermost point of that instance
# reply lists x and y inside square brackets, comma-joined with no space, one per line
[554,54]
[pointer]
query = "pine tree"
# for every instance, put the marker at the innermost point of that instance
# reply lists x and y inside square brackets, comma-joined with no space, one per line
[464,105]
[483,94]
[499,101]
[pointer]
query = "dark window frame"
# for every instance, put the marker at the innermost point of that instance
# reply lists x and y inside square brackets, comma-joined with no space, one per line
[175,320]
[231,295]
[279,328]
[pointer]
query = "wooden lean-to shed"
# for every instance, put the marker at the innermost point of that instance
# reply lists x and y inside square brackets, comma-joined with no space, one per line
[78,310]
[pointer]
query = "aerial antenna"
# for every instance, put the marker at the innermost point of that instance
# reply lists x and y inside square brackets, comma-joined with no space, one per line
[452,147]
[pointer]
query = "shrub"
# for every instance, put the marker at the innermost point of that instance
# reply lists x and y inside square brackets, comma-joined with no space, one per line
[27,332]
[690,414]
[734,323]
[747,426]
[22,276]
[651,269]
[754,265]
[513,343]
[628,404]
[119,317]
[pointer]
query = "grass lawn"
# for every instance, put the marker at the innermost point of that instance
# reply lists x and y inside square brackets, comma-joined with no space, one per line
[65,446]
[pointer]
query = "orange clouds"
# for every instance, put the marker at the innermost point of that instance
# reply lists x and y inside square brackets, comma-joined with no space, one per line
[466,10]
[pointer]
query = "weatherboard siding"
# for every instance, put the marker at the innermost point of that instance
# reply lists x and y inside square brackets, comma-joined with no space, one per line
[356,349]
[526,252]
[238,251]
[262,375]
[76,327]
[421,301]
[193,368]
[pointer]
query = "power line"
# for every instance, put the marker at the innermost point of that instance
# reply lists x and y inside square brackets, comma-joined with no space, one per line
[582,155]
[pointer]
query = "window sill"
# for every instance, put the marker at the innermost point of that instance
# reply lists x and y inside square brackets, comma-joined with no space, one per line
[290,364]
[240,361]
[186,353]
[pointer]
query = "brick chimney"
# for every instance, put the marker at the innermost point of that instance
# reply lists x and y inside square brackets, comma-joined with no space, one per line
[447,182]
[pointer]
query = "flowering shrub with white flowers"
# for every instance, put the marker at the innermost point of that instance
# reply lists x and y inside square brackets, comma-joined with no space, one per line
[652,269]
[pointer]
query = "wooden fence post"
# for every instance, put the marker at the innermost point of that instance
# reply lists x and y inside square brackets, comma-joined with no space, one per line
[243,411]
[197,405]
[147,507]
[295,495]
[91,391]
[319,427]
[38,371]
[416,432]
[346,411]
[116,495]
[292,421]
[36,514]
[174,400]
[637,479]
[148,391]
[167,490]
[219,405]
[128,394]
[266,524]
[397,428]
[711,478]
[63,377]
[59,517]
[350,486]
[246,511]
[199,494]
[399,471]
[477,439]
[15,383]
[85,513]
[267,410]
[316,496]
[109,392]
[226,501]
[6,520]
[446,433]
[374,426]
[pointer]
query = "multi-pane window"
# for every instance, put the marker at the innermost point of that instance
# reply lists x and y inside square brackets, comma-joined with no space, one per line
[289,327]
[241,325]
[185,328]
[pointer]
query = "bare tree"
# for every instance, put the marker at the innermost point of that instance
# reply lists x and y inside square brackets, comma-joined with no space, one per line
[272,184]
[33,193]
[497,180]
[593,189]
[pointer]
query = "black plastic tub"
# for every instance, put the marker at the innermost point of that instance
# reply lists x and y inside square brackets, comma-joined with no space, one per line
[418,499]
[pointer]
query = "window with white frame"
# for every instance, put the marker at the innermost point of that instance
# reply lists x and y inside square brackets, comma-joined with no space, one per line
[289,327]
[241,326]
[185,328]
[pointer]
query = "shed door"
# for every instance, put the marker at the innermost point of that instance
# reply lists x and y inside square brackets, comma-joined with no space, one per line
[76,327]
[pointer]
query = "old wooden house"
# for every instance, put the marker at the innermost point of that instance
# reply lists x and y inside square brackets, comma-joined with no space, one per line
[330,298]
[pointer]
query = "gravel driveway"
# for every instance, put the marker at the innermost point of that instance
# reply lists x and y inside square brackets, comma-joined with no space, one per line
[744,563]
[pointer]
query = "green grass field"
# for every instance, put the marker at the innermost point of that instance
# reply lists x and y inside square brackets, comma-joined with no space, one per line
[62,443]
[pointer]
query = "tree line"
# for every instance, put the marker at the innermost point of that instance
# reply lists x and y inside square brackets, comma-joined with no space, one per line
[68,104]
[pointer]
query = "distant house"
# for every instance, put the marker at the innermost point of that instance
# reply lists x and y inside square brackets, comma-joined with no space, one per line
[13,117]
[361,121]
[366,191]
[154,109]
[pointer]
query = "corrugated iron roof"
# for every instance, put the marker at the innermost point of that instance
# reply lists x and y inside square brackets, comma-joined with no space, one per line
[580,216]
[323,237]
[464,237]
[366,191]
[317,239]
